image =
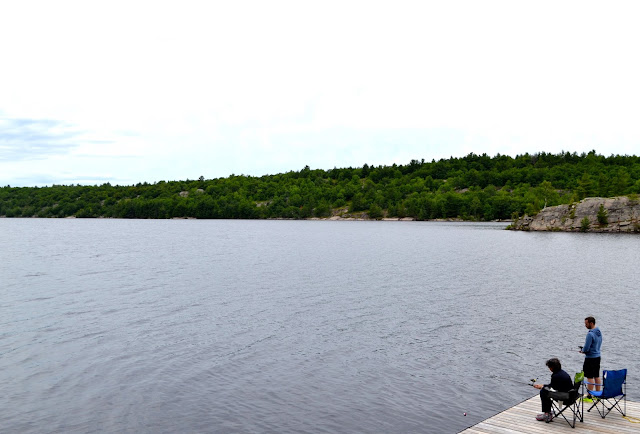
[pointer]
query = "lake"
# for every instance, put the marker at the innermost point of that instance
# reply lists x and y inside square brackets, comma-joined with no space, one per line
[164,326]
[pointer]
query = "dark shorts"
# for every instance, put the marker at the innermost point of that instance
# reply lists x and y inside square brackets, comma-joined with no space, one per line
[591,367]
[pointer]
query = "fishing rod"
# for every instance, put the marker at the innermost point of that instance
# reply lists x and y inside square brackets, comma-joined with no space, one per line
[531,381]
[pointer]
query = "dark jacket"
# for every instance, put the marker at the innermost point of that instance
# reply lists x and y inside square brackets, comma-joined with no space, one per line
[560,381]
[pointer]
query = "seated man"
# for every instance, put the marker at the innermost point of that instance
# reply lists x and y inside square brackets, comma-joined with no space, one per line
[558,389]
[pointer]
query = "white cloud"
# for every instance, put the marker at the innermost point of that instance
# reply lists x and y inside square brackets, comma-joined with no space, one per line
[210,88]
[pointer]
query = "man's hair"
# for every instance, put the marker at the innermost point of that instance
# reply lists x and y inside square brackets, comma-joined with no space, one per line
[591,319]
[554,365]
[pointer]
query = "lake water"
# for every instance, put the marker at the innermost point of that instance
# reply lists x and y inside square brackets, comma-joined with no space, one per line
[156,326]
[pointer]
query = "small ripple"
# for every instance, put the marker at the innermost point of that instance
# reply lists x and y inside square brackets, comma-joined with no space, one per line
[38,274]
[31,300]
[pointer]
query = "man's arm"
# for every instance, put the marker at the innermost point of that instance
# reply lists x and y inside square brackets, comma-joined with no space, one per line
[587,343]
[555,381]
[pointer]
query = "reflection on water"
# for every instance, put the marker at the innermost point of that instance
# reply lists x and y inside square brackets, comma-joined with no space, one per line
[296,326]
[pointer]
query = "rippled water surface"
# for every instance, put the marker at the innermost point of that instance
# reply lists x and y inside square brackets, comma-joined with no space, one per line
[296,326]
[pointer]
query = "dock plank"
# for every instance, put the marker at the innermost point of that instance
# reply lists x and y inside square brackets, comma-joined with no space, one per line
[520,419]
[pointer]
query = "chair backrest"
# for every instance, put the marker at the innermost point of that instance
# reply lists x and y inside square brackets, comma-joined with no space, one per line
[612,384]
[573,395]
[575,391]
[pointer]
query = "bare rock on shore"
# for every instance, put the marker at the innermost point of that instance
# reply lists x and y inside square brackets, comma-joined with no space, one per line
[622,215]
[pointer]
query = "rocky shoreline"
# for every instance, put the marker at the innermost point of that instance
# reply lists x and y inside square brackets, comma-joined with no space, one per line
[593,214]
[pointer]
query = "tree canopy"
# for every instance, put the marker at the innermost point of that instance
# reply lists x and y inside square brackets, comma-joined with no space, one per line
[474,187]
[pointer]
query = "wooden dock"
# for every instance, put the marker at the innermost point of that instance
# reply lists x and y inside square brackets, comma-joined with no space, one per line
[521,418]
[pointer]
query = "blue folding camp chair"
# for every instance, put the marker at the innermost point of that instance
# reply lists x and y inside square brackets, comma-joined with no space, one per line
[614,390]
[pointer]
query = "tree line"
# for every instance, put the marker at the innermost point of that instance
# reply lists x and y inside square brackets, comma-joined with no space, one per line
[474,187]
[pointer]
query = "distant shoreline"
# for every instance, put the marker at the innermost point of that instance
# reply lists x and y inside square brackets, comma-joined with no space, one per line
[333,218]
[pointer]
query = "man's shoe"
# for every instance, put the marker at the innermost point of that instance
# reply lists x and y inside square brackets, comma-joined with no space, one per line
[541,416]
[548,417]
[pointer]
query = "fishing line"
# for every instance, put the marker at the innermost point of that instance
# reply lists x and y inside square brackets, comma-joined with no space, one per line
[529,383]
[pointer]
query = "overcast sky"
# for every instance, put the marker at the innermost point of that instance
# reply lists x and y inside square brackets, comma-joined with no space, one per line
[134,91]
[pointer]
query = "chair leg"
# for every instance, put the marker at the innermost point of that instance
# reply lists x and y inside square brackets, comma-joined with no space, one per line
[580,410]
[573,408]
[616,405]
[606,409]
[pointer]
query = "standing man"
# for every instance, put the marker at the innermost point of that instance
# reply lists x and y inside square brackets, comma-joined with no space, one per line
[591,351]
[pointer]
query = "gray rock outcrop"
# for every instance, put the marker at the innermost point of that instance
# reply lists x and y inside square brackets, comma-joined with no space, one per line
[622,215]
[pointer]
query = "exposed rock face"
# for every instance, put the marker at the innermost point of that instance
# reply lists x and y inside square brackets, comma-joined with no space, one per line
[622,215]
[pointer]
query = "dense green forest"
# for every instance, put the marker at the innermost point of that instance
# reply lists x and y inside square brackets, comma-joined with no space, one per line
[474,187]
